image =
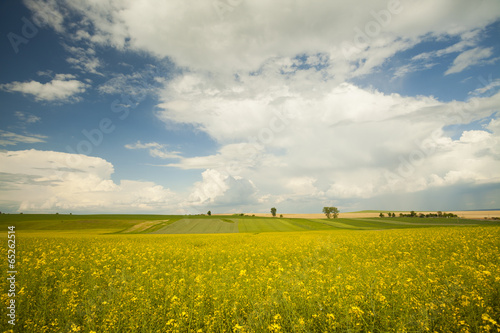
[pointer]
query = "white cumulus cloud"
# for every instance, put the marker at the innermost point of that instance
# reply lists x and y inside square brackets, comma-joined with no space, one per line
[48,181]
[249,33]
[338,141]
[221,189]
[62,88]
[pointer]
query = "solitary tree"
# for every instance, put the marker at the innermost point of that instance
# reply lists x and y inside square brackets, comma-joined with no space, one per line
[381,215]
[393,215]
[209,213]
[273,211]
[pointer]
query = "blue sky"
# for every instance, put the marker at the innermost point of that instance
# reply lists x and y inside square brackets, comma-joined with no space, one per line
[239,106]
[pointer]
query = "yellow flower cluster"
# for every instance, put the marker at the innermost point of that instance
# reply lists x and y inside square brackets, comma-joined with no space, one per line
[406,280]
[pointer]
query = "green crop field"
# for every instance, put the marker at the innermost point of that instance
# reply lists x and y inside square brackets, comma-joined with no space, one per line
[199,226]
[179,224]
[152,273]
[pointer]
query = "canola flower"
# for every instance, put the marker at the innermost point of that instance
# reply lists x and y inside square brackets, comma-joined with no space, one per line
[409,280]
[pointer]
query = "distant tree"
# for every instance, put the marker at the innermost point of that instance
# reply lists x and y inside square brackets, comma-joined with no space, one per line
[440,213]
[413,214]
[335,212]
[209,213]
[281,215]
[401,214]
[393,215]
[329,211]
[273,211]
[381,214]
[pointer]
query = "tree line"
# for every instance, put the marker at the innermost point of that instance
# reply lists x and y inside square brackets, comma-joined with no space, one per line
[422,215]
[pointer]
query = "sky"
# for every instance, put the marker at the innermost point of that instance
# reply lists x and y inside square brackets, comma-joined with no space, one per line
[237,106]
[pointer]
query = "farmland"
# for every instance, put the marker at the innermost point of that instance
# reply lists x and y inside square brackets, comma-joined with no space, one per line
[244,274]
[181,224]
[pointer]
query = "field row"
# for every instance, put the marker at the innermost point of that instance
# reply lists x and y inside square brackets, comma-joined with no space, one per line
[171,224]
[256,225]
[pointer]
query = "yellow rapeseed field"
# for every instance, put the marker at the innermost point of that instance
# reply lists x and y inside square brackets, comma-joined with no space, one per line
[411,280]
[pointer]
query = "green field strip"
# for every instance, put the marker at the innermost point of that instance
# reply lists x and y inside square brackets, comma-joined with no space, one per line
[269,225]
[198,226]
[380,224]
[171,228]
[373,224]
[420,222]
[159,226]
[286,225]
[339,225]
[142,227]
[73,224]
[359,224]
[433,221]
[310,224]
[67,217]
[178,227]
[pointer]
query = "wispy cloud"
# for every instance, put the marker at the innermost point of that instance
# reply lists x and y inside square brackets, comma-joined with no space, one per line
[469,58]
[12,139]
[468,39]
[412,67]
[62,88]
[427,60]
[26,118]
[84,59]
[155,149]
